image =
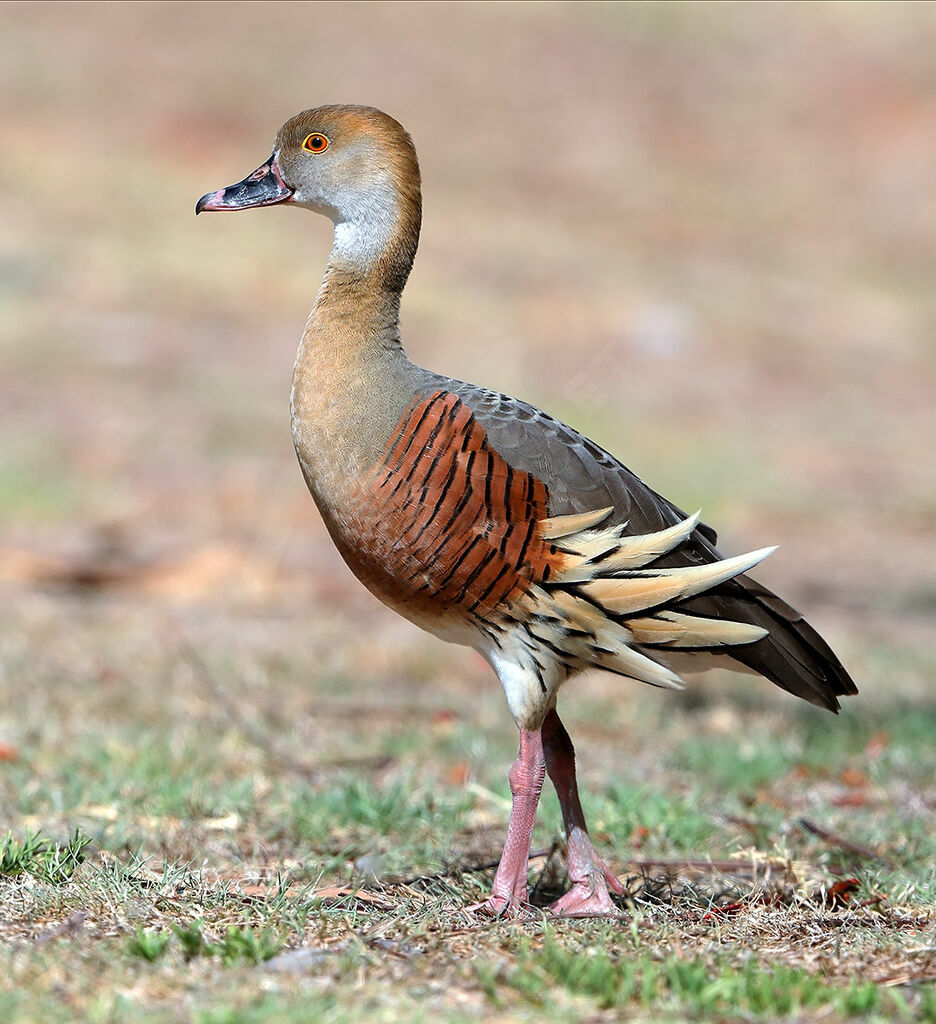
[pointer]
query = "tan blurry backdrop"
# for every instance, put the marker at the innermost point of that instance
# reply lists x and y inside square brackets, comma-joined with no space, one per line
[705,234]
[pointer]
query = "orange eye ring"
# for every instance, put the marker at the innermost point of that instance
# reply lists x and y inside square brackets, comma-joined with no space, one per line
[315,143]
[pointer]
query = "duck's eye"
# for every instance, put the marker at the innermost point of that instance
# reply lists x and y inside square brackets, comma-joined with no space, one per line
[315,143]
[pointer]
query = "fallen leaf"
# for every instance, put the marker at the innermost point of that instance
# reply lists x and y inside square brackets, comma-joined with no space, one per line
[878,743]
[264,891]
[716,913]
[638,836]
[459,773]
[852,799]
[840,893]
[337,892]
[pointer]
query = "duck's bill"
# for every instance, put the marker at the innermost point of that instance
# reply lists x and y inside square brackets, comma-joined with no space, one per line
[265,187]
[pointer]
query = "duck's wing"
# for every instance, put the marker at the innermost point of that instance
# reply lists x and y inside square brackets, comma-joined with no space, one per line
[581,477]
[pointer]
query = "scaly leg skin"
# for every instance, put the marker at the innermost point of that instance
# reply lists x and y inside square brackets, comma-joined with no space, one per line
[591,879]
[509,893]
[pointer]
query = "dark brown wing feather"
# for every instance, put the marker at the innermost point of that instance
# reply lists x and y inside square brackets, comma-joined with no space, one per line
[581,476]
[457,523]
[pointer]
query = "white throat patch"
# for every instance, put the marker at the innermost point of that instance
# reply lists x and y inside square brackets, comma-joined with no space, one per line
[366,222]
[360,241]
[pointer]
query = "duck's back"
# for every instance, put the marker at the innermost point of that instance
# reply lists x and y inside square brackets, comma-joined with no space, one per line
[581,476]
[448,526]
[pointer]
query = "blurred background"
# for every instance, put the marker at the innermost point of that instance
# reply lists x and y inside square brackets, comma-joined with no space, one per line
[704,234]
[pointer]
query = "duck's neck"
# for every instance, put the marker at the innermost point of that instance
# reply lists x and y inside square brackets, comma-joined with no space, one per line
[350,370]
[356,313]
[355,318]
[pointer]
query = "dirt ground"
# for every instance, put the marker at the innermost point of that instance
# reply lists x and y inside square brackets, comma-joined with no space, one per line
[704,234]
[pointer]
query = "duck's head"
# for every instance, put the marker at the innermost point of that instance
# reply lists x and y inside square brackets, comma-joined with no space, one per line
[356,165]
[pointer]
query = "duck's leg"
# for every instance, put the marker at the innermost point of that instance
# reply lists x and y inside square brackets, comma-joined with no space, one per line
[509,892]
[591,879]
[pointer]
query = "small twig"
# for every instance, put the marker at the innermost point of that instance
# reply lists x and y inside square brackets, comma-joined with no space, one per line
[70,926]
[217,691]
[249,730]
[725,866]
[257,738]
[553,850]
[455,872]
[842,842]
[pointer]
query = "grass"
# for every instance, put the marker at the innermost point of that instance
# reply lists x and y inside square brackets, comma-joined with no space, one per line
[224,859]
[235,945]
[51,862]
[271,836]
[232,787]
[673,987]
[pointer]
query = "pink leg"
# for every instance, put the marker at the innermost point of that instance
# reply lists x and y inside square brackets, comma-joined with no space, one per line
[509,892]
[591,879]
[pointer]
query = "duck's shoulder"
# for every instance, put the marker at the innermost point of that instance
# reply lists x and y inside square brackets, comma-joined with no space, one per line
[580,475]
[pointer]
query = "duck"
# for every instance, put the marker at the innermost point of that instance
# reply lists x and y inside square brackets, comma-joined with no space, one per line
[488,522]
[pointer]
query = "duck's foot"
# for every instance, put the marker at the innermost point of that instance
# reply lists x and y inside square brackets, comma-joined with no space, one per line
[592,882]
[583,901]
[509,895]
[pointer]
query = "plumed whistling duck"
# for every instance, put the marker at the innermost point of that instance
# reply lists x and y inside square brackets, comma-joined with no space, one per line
[483,519]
